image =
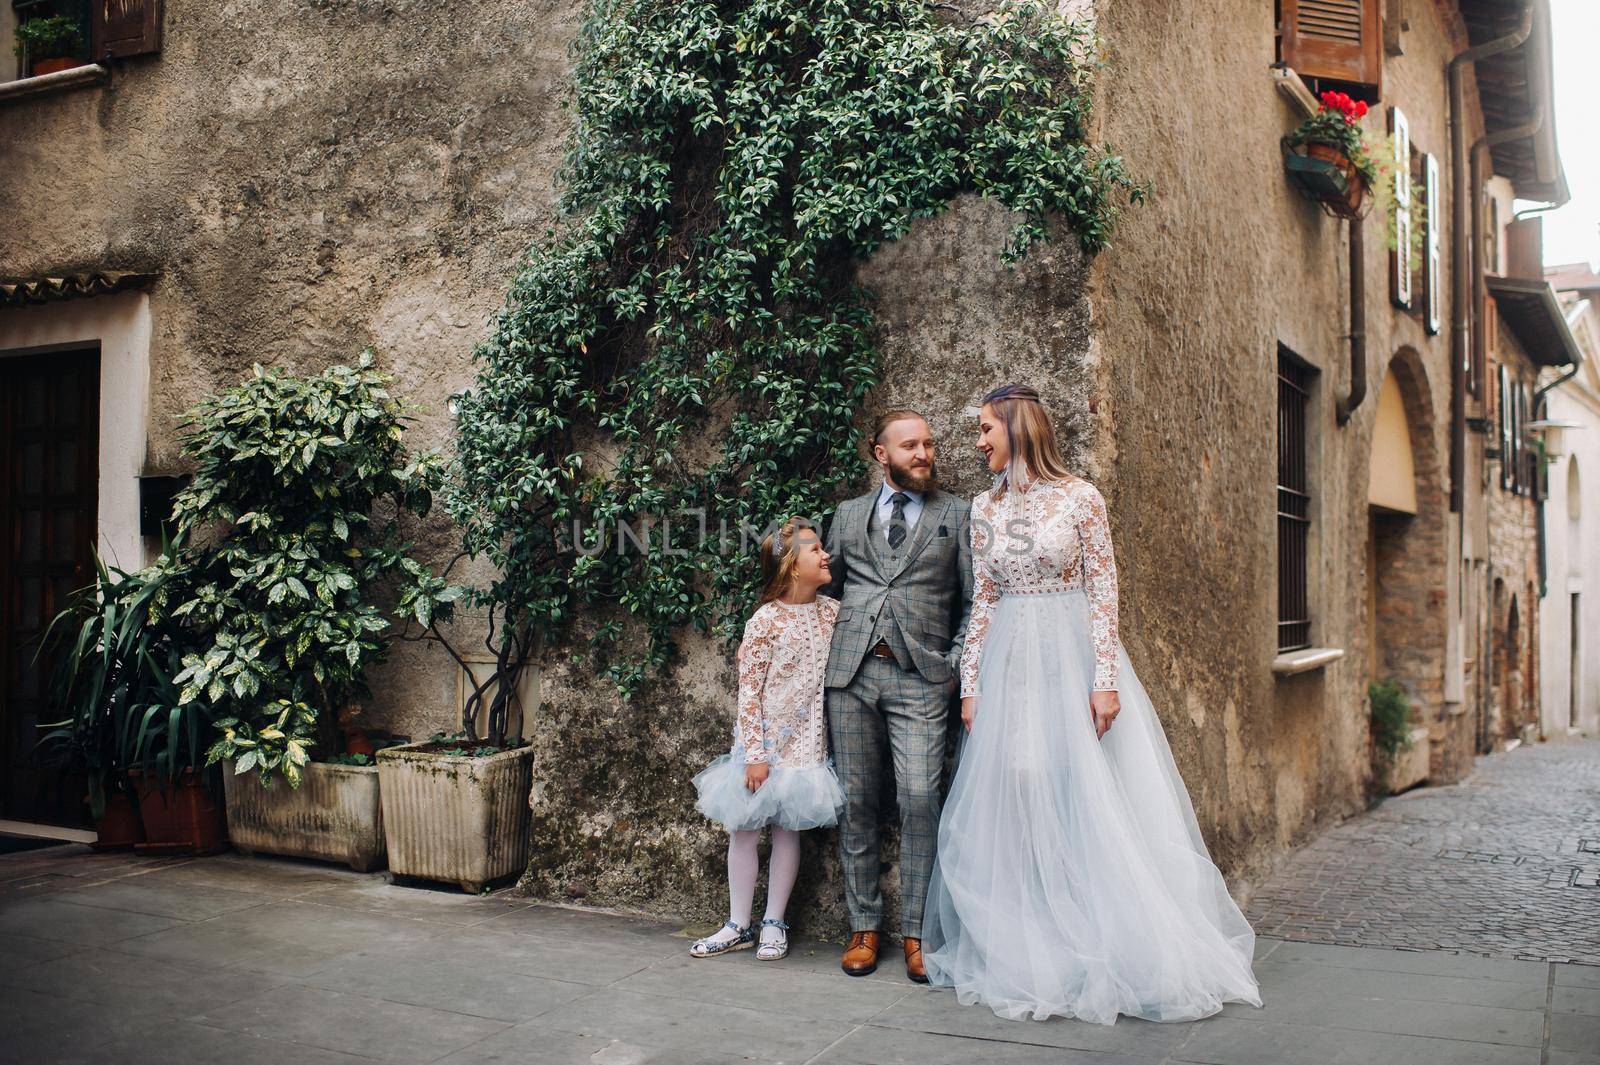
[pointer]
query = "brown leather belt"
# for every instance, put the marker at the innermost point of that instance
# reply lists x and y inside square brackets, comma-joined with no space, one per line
[881,650]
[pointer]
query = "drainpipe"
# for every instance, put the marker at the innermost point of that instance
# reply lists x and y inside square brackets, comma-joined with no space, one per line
[1462,313]
[1539,397]
[1358,325]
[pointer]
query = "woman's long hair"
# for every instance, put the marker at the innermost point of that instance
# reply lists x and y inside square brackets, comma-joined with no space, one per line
[780,553]
[1034,452]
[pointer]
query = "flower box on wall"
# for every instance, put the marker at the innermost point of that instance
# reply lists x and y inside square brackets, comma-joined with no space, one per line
[460,818]
[334,815]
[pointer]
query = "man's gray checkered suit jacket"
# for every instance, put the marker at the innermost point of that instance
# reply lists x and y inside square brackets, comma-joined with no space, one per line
[930,590]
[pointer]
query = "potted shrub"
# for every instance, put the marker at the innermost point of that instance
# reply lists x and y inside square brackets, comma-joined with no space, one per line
[298,570]
[1400,745]
[1328,154]
[456,809]
[140,750]
[49,44]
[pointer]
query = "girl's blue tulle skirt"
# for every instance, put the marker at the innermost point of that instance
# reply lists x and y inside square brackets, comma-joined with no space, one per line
[793,797]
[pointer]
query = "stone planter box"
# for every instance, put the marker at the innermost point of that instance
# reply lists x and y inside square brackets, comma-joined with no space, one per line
[333,815]
[455,818]
[1410,767]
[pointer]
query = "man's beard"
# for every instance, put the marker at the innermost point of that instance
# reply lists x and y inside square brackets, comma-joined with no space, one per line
[902,476]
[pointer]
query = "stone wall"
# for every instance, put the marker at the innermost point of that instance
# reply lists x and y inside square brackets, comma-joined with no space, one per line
[308,179]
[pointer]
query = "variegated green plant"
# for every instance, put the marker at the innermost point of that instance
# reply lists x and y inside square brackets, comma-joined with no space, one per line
[294,556]
[282,743]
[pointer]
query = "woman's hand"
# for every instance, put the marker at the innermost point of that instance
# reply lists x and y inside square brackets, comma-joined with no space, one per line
[755,775]
[1105,706]
[969,709]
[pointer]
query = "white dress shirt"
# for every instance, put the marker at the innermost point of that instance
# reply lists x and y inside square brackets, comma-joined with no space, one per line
[886,508]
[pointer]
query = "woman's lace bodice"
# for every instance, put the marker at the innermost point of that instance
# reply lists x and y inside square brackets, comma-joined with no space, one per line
[1052,537]
[785,651]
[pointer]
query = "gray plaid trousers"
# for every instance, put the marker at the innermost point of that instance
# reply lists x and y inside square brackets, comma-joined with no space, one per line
[886,703]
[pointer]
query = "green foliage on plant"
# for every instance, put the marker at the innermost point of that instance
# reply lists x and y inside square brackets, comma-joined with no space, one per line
[464,745]
[693,340]
[293,558]
[117,656]
[1391,717]
[48,38]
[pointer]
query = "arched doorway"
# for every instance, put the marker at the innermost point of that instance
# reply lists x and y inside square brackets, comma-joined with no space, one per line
[1406,557]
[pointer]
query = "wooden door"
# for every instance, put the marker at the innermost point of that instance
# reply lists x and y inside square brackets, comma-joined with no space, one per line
[49,458]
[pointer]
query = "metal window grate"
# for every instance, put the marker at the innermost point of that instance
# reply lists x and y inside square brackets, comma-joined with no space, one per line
[1294,504]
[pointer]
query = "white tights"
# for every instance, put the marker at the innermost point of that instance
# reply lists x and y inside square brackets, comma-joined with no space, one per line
[743,865]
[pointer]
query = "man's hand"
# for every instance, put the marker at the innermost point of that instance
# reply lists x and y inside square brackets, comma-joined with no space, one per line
[969,709]
[755,775]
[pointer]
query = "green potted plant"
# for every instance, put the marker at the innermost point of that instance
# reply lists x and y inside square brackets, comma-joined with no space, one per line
[118,653]
[1400,744]
[299,571]
[49,44]
[1330,156]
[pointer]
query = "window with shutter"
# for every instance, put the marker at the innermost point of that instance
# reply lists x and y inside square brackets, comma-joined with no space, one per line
[1503,400]
[1400,257]
[1430,245]
[122,28]
[1334,40]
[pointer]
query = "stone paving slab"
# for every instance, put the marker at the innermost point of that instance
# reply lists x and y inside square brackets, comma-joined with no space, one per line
[287,962]
[1505,864]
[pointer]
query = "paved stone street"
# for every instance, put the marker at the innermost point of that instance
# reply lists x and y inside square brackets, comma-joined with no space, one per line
[109,958]
[1505,864]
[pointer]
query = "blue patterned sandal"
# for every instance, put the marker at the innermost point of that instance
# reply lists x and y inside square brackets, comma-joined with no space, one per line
[710,947]
[778,948]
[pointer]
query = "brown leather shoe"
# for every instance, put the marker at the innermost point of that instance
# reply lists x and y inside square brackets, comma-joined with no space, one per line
[861,956]
[914,968]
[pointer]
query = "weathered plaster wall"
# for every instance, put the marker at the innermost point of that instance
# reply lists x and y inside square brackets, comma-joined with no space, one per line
[312,178]
[1189,307]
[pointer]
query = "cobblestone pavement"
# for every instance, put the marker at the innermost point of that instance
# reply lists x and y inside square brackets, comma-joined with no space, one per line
[1504,864]
[238,961]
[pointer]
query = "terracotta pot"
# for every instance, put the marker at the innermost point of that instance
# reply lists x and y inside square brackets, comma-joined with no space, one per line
[182,818]
[55,65]
[1355,186]
[120,828]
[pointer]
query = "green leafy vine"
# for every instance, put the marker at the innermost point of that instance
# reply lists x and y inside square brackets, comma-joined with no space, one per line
[692,340]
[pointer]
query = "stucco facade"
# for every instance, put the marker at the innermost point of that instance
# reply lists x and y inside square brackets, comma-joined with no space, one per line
[306,180]
[1570,612]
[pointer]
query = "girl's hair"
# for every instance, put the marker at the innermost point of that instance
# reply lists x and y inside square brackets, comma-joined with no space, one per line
[1034,453]
[779,555]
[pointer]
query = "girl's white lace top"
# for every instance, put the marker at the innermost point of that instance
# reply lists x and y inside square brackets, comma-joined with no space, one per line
[785,651]
[1052,536]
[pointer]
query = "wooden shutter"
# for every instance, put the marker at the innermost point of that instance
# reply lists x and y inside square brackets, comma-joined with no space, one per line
[1337,39]
[1430,245]
[1504,397]
[1400,257]
[120,28]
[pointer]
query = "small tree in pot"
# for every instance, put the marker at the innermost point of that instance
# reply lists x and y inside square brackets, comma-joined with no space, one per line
[298,567]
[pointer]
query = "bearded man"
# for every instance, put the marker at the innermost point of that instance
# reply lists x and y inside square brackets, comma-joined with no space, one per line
[901,566]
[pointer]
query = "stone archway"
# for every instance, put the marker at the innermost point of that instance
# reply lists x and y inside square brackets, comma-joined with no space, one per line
[1406,554]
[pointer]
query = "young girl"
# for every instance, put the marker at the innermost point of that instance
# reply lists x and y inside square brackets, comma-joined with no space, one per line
[778,772]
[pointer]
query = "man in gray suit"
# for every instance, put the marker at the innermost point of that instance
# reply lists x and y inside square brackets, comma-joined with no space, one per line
[902,571]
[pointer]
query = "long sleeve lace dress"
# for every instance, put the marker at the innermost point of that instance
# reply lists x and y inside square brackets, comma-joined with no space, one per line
[1071,877]
[780,722]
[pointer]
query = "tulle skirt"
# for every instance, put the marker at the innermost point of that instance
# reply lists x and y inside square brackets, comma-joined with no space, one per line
[797,797]
[1071,877]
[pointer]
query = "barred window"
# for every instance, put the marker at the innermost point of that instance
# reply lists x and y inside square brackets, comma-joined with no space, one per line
[1294,501]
